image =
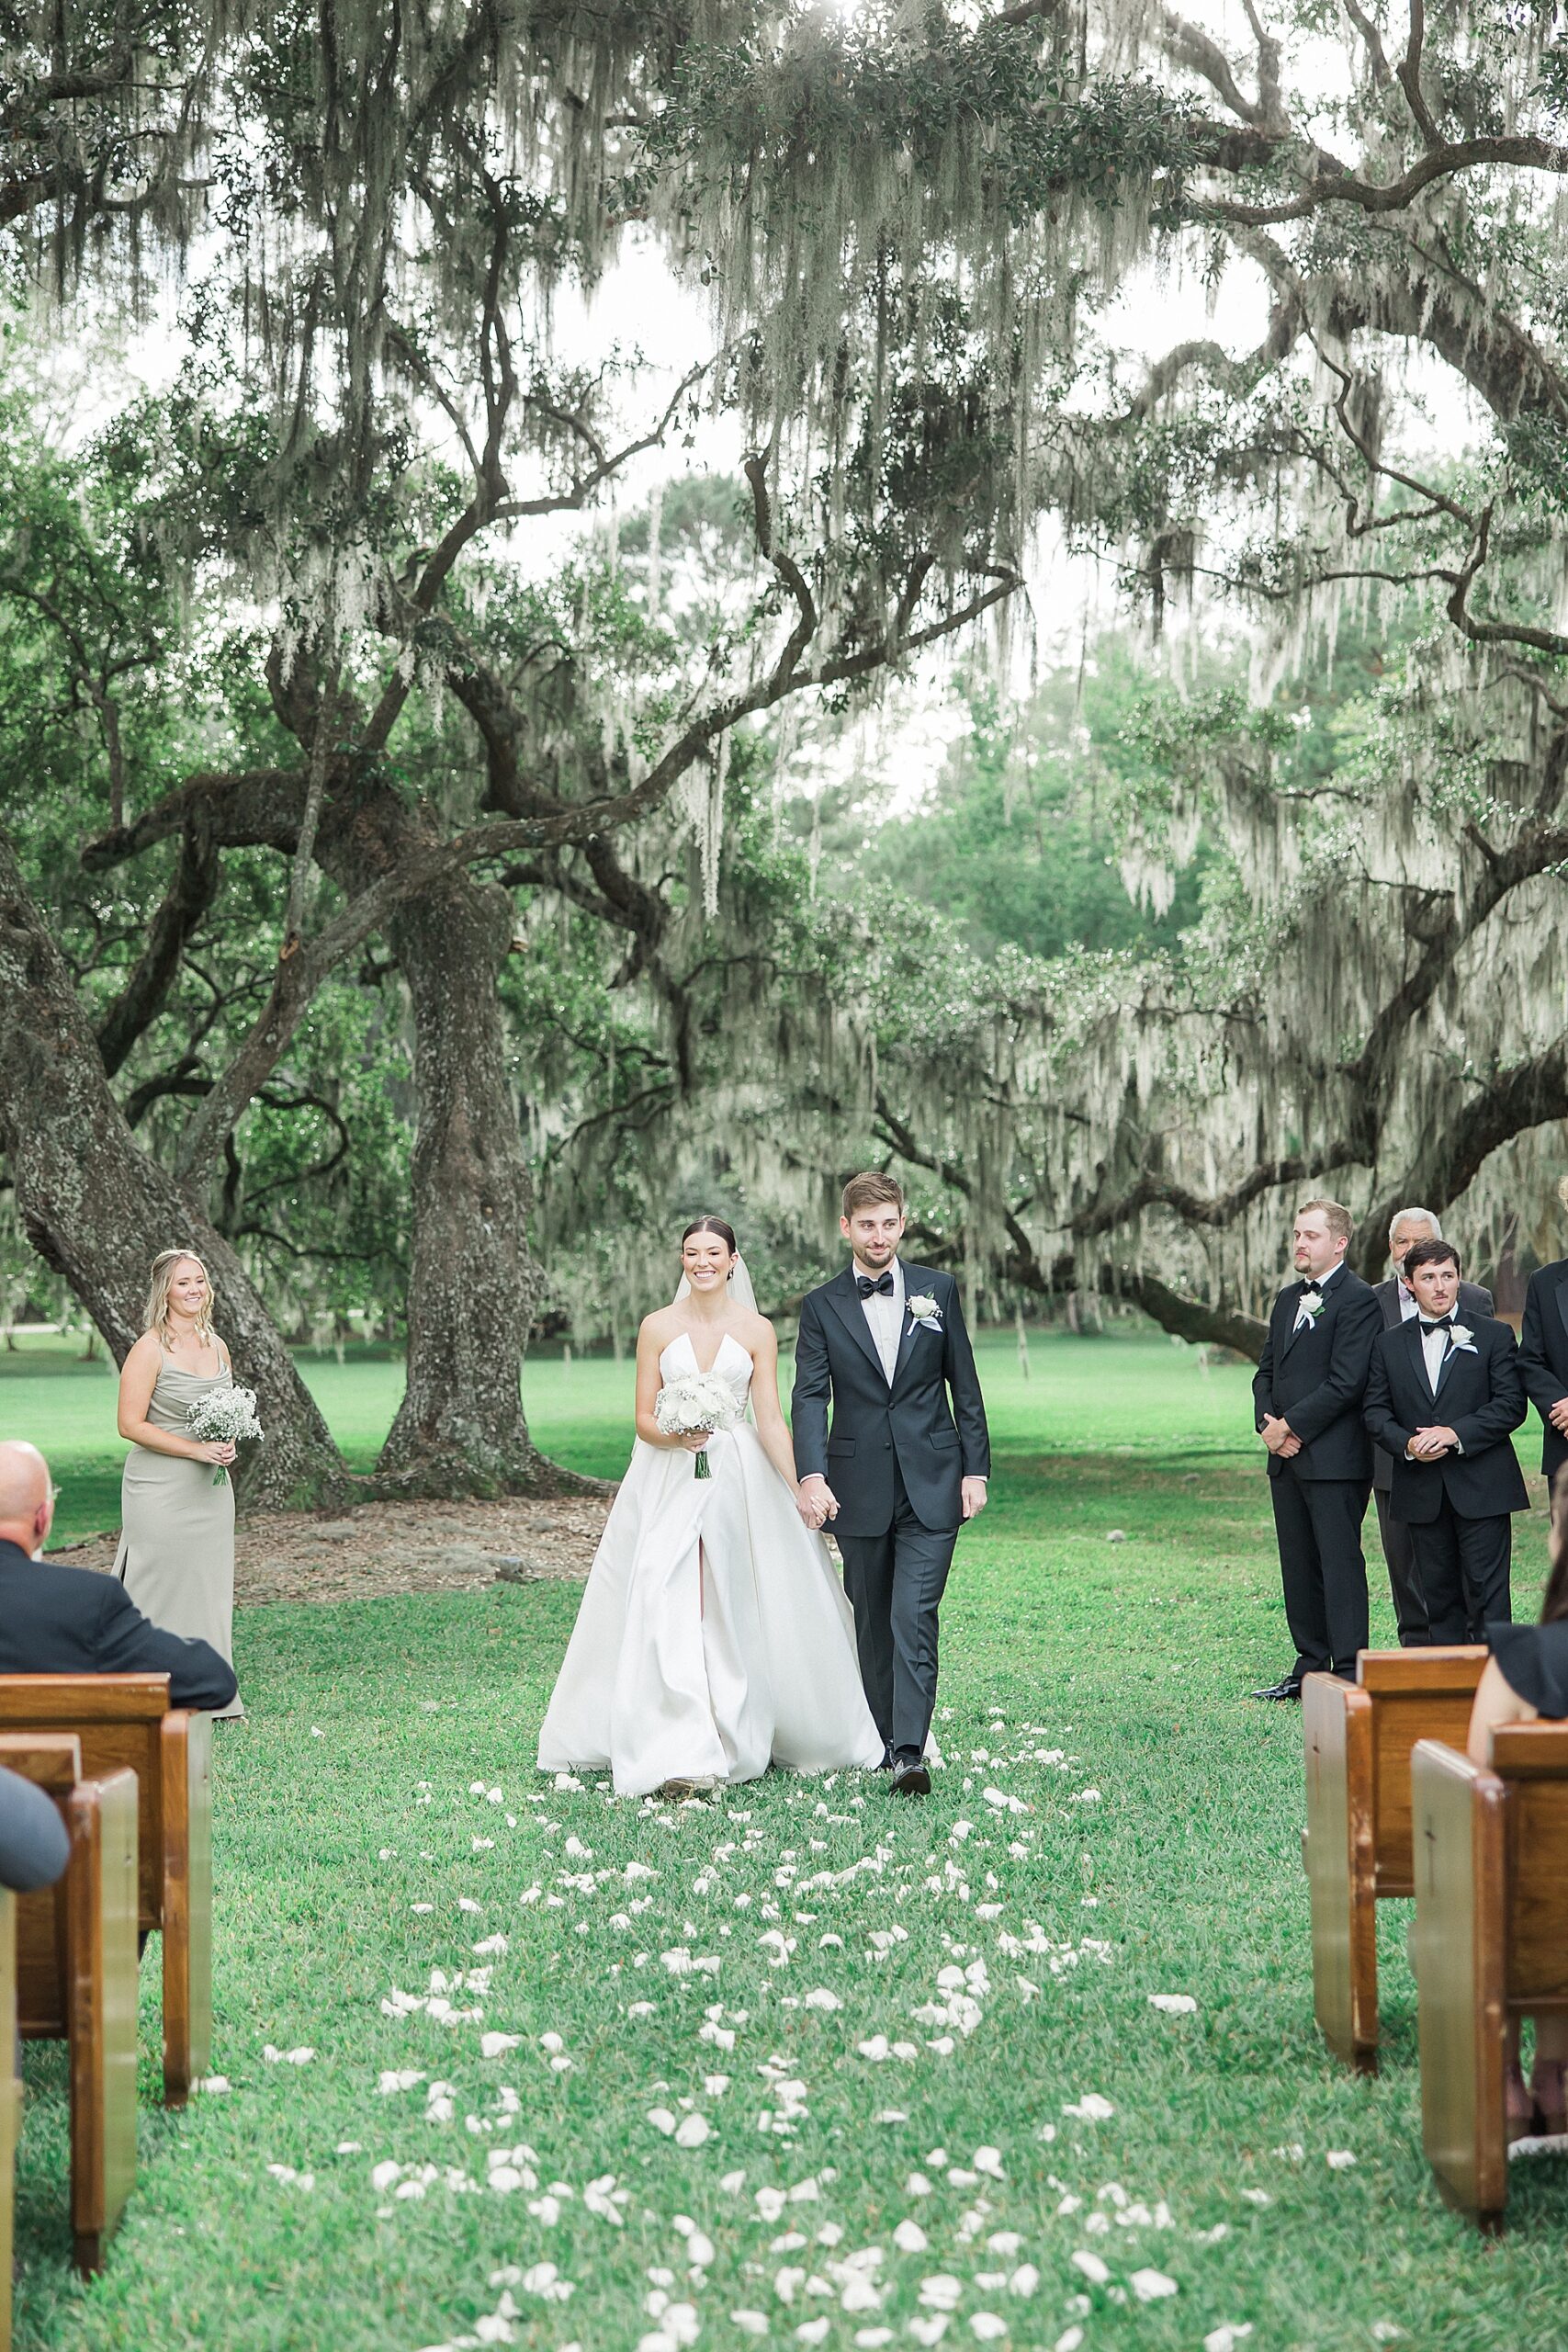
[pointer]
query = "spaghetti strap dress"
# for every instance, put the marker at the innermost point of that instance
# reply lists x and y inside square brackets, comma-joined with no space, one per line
[176,1545]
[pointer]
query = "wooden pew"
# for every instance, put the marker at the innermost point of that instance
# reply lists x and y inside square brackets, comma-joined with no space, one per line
[1490,1940]
[76,1976]
[126,1719]
[10,2101]
[1356,1846]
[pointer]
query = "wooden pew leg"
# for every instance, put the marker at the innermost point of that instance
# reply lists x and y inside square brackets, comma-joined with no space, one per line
[1456,1948]
[1337,1851]
[102,1909]
[187,1906]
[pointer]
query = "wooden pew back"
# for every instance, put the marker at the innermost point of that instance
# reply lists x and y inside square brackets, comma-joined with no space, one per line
[1356,1848]
[76,1974]
[1490,1940]
[1415,1694]
[124,1721]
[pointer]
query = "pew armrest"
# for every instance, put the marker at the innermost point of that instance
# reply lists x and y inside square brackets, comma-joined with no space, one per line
[1431,1671]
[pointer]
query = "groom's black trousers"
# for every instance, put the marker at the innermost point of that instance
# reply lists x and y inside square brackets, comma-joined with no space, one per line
[895,1582]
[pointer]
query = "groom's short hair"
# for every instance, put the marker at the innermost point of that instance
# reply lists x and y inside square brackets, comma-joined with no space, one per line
[869,1191]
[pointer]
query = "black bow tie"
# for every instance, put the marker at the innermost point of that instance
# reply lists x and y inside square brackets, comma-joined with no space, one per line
[1310,1282]
[869,1289]
[1440,1323]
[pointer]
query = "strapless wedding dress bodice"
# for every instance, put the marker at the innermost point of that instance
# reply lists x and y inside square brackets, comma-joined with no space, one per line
[714,1636]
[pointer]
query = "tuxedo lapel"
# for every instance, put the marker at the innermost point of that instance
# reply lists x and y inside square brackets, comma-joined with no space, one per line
[1289,1304]
[846,1298]
[913,1277]
[1418,1354]
[1562,1301]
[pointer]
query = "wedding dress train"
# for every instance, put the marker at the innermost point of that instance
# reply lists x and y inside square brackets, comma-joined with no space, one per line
[713,1635]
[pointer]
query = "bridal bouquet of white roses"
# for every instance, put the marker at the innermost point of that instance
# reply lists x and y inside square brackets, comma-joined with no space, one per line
[701,1401]
[223,1416]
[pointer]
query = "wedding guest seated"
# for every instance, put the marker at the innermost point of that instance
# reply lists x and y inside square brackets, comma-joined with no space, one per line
[34,1847]
[1526,1678]
[56,1620]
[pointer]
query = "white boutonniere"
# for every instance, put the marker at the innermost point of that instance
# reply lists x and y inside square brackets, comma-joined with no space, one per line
[924,1310]
[1463,1339]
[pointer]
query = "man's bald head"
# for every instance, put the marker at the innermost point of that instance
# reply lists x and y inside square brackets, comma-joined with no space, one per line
[26,1508]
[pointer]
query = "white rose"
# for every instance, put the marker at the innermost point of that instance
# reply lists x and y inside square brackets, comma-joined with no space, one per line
[923,1307]
[1462,1336]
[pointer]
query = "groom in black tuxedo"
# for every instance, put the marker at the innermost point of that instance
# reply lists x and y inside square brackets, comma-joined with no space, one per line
[884,1343]
[1307,1393]
[1444,1396]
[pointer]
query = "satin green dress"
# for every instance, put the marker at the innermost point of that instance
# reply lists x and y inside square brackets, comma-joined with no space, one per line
[176,1546]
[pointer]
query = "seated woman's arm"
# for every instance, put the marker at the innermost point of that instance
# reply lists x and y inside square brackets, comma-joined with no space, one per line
[1497,1703]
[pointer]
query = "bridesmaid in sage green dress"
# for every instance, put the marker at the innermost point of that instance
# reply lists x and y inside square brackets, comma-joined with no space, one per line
[176,1545]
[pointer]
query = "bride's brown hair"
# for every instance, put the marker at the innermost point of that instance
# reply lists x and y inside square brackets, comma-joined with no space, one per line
[713,1225]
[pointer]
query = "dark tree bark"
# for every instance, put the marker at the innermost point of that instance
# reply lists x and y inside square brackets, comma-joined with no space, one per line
[98,1208]
[473,1281]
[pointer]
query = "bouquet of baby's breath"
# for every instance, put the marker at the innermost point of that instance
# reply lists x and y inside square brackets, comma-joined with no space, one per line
[224,1415]
[701,1401]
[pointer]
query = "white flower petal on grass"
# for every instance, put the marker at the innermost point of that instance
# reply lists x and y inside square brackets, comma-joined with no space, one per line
[1025,2280]
[812,2331]
[1086,1796]
[1005,1804]
[301,2057]
[877,2049]
[495,2045]
[1093,2269]
[691,2131]
[988,2161]
[750,2323]
[1339,2160]
[916,2184]
[987,2326]
[770,2203]
[1090,2109]
[941,2291]
[821,1998]
[496,1944]
[1152,2286]
[422,1906]
[868,2338]
[661,2120]
[1069,2340]
[1383,2331]
[213,2085]
[402,2079]
[930,2331]
[1225,2339]
[1258,2196]
[909,2238]
[1175,2005]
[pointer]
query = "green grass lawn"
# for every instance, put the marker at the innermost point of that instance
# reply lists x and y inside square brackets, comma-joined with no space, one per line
[379,1819]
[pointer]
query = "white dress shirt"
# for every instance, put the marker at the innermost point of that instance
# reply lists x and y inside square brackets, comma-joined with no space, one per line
[1304,1311]
[885,1316]
[1434,1347]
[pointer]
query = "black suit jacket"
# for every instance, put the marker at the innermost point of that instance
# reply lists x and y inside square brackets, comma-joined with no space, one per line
[1317,1378]
[1480,1396]
[75,1620]
[1474,1301]
[873,1425]
[1543,1354]
[34,1847]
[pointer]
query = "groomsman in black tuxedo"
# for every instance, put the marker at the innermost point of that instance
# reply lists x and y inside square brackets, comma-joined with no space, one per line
[1307,1391]
[1397,1301]
[1543,1354]
[1444,1396]
[884,1345]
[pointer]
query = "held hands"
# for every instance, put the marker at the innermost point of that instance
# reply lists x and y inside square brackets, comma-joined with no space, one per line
[695,1440]
[1280,1437]
[217,1451]
[1425,1445]
[815,1501]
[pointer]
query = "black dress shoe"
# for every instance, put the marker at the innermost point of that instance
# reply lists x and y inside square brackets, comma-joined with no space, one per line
[1288,1689]
[910,1778]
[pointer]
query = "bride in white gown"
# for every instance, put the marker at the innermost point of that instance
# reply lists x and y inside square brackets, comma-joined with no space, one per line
[714,1636]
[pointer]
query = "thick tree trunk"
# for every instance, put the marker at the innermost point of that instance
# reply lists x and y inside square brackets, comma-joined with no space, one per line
[473,1282]
[98,1208]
